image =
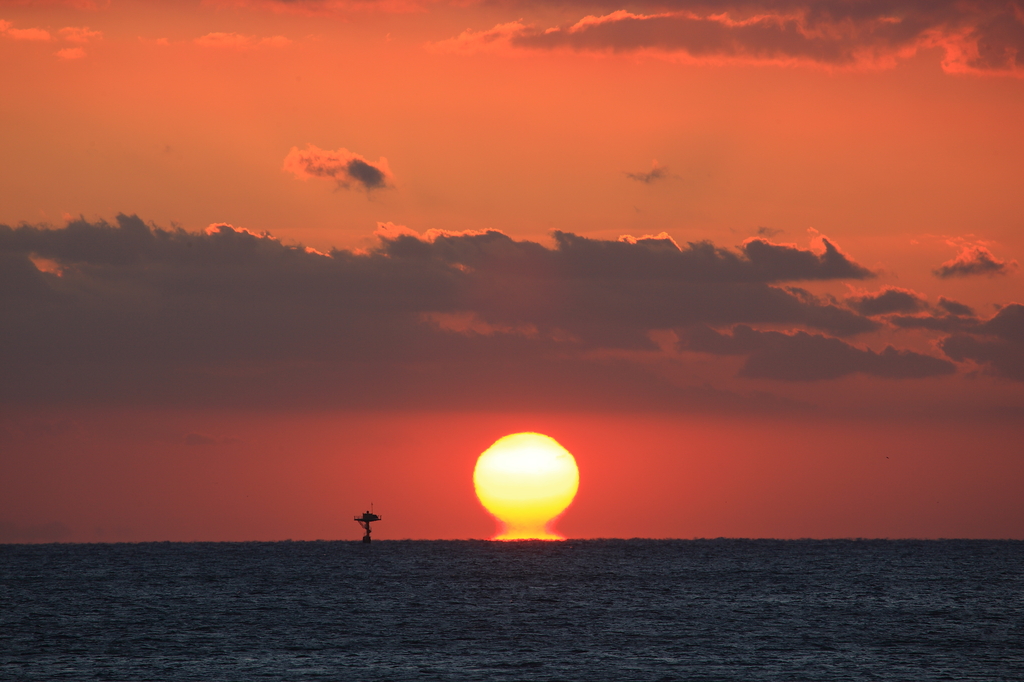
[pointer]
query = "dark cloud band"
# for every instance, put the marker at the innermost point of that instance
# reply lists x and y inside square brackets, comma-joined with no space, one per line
[96,311]
[812,357]
[977,36]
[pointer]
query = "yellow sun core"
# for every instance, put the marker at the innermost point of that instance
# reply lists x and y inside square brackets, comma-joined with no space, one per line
[526,480]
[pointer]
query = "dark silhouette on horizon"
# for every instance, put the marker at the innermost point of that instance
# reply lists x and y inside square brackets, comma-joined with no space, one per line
[365,520]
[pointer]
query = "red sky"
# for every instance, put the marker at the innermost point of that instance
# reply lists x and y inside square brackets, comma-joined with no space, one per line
[262,263]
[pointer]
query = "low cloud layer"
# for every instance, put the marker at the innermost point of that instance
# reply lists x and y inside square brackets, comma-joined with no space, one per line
[131,312]
[997,344]
[811,357]
[346,168]
[976,36]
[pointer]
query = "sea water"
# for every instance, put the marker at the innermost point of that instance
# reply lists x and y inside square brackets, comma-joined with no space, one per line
[477,610]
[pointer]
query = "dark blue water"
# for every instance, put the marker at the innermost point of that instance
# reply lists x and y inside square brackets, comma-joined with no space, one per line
[577,610]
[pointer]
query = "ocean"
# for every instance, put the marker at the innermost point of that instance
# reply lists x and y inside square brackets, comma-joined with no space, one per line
[478,610]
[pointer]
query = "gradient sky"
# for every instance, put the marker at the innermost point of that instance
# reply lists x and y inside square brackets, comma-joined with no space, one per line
[755,264]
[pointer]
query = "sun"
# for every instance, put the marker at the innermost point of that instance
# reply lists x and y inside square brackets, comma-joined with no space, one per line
[526,480]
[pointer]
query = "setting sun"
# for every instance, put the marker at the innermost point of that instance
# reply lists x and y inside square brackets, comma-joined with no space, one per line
[526,480]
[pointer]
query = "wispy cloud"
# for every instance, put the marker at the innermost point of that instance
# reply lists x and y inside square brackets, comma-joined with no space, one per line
[80,34]
[494,39]
[657,172]
[36,34]
[71,53]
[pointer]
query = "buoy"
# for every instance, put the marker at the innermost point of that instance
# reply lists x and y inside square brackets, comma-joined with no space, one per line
[365,520]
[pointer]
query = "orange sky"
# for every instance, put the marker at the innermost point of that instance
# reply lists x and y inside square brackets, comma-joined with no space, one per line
[753,398]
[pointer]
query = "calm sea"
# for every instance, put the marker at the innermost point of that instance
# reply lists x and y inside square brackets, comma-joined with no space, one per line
[476,610]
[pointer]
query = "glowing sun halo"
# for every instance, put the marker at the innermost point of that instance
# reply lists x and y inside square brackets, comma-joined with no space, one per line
[526,480]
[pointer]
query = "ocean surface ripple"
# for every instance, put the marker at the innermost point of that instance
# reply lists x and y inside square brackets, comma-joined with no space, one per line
[479,610]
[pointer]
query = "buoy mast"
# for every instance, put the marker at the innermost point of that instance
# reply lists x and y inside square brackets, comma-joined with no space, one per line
[365,520]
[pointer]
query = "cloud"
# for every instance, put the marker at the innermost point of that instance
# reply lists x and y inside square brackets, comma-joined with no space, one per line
[656,173]
[71,53]
[37,34]
[997,343]
[976,36]
[941,323]
[128,312]
[72,34]
[949,316]
[237,41]
[1003,358]
[1007,324]
[974,259]
[799,264]
[768,232]
[954,308]
[345,167]
[497,39]
[757,260]
[888,300]
[811,357]
[80,34]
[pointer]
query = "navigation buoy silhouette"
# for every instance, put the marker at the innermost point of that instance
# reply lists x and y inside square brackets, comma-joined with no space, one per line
[365,520]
